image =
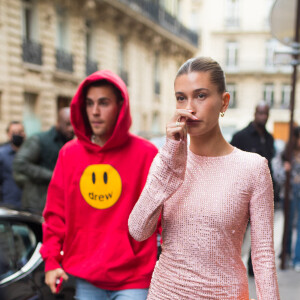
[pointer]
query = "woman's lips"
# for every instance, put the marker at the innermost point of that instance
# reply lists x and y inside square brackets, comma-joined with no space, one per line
[193,121]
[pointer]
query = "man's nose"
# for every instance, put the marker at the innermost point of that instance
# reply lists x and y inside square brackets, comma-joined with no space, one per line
[96,109]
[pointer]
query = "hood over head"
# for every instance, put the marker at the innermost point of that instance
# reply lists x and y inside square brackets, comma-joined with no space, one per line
[80,121]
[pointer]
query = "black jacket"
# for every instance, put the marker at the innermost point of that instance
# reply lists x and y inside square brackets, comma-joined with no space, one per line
[248,139]
[33,166]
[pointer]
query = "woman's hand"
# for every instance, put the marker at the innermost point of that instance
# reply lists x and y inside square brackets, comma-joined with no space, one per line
[176,128]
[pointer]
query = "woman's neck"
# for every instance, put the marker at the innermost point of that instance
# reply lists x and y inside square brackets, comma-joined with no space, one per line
[210,144]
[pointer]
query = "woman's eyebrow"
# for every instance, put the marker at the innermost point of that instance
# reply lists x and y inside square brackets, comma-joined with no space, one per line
[200,90]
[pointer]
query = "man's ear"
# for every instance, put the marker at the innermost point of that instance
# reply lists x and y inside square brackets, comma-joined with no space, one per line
[225,101]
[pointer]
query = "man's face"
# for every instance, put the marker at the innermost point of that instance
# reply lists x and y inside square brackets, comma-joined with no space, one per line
[15,129]
[102,110]
[261,116]
[65,127]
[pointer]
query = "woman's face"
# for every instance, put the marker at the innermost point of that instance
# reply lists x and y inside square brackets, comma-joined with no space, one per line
[195,91]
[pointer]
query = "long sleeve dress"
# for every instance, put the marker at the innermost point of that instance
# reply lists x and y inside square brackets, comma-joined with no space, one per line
[205,203]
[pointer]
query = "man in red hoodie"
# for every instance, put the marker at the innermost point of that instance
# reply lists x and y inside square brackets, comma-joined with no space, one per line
[96,182]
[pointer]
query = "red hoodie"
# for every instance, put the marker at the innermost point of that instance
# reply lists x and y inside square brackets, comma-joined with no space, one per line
[91,194]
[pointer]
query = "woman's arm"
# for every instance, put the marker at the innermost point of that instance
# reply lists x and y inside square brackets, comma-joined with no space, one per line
[165,177]
[262,242]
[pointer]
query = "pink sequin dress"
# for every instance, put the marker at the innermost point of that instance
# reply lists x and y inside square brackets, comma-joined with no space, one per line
[206,203]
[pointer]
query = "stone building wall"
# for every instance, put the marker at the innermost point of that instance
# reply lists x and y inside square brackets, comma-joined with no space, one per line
[21,82]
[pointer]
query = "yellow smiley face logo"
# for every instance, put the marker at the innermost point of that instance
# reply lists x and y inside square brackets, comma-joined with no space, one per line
[100,186]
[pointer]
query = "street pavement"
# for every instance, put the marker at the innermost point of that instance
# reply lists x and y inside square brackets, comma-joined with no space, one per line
[288,279]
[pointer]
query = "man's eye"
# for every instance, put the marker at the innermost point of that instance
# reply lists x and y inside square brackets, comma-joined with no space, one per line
[180,98]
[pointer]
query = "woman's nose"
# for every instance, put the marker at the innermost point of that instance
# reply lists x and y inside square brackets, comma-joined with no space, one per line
[190,107]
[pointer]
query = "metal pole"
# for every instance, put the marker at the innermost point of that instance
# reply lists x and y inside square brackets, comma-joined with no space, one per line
[290,143]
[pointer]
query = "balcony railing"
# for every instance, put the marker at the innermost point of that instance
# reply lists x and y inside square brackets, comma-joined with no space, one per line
[32,52]
[91,66]
[64,60]
[159,15]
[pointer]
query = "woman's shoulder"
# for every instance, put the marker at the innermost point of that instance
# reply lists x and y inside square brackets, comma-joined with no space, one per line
[250,158]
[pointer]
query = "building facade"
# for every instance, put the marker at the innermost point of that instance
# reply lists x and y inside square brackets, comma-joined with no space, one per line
[49,46]
[237,34]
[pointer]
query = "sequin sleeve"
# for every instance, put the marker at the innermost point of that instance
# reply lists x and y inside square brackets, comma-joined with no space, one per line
[165,177]
[262,243]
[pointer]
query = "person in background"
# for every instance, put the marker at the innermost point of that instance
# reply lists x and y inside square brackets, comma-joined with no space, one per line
[34,163]
[206,192]
[96,182]
[294,168]
[255,138]
[10,193]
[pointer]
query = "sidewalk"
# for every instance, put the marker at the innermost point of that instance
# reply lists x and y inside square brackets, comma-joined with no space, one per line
[288,280]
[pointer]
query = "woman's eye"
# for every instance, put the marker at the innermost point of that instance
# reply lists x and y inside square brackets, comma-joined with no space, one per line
[180,98]
[201,96]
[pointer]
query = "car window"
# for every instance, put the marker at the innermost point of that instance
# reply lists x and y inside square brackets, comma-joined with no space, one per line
[17,243]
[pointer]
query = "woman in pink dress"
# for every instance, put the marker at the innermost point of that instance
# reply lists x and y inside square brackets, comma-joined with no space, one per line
[206,194]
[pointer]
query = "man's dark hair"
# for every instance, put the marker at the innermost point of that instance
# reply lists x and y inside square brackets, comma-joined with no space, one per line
[104,82]
[12,123]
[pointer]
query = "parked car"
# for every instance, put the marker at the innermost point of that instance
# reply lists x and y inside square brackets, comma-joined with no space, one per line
[21,265]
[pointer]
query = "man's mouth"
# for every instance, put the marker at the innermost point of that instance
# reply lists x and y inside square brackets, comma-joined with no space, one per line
[97,122]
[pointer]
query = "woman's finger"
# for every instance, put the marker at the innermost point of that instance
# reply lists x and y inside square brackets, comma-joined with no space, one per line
[183,114]
[176,130]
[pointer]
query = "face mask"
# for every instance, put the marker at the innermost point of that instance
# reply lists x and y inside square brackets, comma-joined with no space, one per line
[17,140]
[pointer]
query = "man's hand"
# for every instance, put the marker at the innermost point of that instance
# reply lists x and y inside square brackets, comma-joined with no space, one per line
[52,276]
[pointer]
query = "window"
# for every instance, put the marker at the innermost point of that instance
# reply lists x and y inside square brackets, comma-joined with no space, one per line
[17,243]
[286,90]
[269,93]
[156,73]
[64,59]
[121,60]
[89,39]
[231,89]
[29,20]
[171,6]
[231,54]
[232,13]
[32,50]
[32,122]
[270,49]
[62,37]
[91,64]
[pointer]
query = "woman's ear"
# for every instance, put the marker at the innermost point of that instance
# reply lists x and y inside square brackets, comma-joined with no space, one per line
[225,101]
